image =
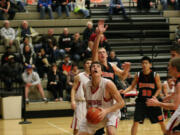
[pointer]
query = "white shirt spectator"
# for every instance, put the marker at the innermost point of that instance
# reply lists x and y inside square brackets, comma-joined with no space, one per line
[8,33]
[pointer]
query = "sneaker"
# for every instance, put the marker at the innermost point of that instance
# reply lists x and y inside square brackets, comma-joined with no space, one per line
[27,101]
[45,100]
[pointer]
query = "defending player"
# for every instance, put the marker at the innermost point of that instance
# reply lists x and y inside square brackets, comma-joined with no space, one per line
[149,85]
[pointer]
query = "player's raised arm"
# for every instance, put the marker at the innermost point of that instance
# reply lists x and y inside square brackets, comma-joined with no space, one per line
[101,29]
[73,91]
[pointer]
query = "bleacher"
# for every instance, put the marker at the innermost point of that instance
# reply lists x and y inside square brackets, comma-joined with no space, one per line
[147,33]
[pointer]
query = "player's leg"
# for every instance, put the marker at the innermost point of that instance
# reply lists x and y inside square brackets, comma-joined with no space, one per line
[111,130]
[134,128]
[163,127]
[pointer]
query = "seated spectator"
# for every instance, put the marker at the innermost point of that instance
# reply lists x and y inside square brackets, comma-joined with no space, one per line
[5,8]
[70,78]
[164,4]
[87,32]
[11,72]
[43,6]
[19,5]
[56,80]
[115,6]
[65,42]
[71,5]
[25,31]
[49,43]
[93,37]
[26,42]
[4,58]
[65,65]
[8,35]
[77,48]
[104,43]
[28,56]
[42,63]
[80,7]
[113,59]
[59,5]
[31,78]
[177,35]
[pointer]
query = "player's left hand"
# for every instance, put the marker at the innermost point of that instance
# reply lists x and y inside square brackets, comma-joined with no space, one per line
[152,102]
[102,114]
[126,66]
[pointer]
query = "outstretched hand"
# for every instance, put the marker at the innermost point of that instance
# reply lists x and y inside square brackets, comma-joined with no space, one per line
[152,102]
[101,26]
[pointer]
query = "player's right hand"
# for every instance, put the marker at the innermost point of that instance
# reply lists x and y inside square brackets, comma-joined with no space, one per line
[73,105]
[121,91]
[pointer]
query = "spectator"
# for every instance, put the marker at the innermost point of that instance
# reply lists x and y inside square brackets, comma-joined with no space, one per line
[31,78]
[19,5]
[77,48]
[65,42]
[115,6]
[45,5]
[5,7]
[42,63]
[28,56]
[4,58]
[49,43]
[11,72]
[26,42]
[144,4]
[113,59]
[66,65]
[25,31]
[87,32]
[8,35]
[61,4]
[104,44]
[177,34]
[80,7]
[55,82]
[175,51]
[168,86]
[70,78]
[71,5]
[164,4]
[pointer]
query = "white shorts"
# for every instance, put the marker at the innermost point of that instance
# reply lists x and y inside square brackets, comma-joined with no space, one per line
[112,119]
[79,114]
[174,121]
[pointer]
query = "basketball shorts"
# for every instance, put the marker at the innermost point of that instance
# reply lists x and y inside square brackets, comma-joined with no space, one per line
[174,122]
[112,119]
[79,114]
[142,111]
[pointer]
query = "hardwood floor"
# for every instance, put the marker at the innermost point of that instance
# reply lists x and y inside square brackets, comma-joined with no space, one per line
[61,126]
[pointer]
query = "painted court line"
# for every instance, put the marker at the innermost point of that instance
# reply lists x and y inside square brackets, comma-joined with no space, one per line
[61,129]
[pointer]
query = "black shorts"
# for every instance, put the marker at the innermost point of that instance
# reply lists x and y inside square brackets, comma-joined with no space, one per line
[142,111]
[176,128]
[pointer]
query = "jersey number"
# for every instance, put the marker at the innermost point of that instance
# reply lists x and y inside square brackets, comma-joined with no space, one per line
[147,93]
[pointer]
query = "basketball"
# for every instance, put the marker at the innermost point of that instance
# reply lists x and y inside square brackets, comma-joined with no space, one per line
[92,115]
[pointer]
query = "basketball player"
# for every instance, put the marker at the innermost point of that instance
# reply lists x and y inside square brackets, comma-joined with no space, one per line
[149,85]
[78,102]
[173,126]
[102,93]
[109,70]
[175,51]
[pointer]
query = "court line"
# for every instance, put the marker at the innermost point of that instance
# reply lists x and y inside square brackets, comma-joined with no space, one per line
[61,129]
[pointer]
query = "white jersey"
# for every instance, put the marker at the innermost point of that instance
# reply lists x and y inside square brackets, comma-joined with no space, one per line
[169,90]
[83,79]
[80,111]
[97,97]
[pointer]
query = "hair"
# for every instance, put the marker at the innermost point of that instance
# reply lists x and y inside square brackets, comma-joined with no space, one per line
[146,58]
[95,62]
[175,62]
[53,65]
[89,22]
[85,60]
[175,48]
